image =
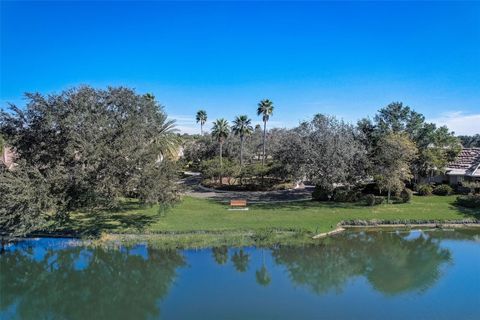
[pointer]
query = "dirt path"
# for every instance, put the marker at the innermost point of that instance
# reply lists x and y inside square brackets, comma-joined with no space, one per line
[194,189]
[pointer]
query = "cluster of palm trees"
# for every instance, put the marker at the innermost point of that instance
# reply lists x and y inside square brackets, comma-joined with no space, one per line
[242,127]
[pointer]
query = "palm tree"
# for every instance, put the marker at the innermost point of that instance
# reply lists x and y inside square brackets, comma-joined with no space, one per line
[220,131]
[242,127]
[265,108]
[165,141]
[202,118]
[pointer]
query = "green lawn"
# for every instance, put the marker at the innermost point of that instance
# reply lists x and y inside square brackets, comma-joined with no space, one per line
[194,215]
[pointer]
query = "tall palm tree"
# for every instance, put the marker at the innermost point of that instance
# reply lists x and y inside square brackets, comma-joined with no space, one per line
[220,131]
[202,118]
[265,108]
[242,127]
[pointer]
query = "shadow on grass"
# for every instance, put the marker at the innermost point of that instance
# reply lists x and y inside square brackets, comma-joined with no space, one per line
[466,212]
[127,217]
[302,205]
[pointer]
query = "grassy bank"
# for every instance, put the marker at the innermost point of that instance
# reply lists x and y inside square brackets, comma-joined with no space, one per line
[206,221]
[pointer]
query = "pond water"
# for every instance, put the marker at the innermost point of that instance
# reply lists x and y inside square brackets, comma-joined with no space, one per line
[367,275]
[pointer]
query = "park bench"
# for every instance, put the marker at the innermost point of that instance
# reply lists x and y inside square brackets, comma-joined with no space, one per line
[238,204]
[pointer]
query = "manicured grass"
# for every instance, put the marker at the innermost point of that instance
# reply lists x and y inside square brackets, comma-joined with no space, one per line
[197,215]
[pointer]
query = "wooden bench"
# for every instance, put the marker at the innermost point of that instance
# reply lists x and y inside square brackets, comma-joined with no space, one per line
[238,204]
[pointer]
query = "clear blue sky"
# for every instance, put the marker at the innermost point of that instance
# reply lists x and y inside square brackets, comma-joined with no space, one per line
[345,59]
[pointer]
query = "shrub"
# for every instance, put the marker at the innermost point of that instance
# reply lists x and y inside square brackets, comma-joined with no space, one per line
[370,199]
[442,190]
[379,200]
[406,195]
[373,200]
[424,190]
[320,194]
[469,201]
[370,188]
[342,195]
[471,186]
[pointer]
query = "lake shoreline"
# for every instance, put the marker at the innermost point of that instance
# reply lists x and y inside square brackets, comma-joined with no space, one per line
[373,226]
[198,239]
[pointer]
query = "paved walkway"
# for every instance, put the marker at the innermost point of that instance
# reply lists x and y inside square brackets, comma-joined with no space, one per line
[194,189]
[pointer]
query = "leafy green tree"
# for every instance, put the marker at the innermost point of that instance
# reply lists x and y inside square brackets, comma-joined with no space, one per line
[437,148]
[201,118]
[242,127]
[470,141]
[24,200]
[93,146]
[220,131]
[331,153]
[396,118]
[265,108]
[436,145]
[395,153]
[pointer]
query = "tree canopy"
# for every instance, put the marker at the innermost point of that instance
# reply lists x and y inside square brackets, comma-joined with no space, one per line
[90,147]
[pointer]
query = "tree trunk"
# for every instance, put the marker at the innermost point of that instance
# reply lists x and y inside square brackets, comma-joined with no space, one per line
[201,129]
[241,151]
[388,197]
[221,164]
[264,139]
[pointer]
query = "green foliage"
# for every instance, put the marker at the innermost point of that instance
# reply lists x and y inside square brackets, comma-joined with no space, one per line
[25,197]
[242,127]
[395,153]
[343,195]
[321,194]
[324,151]
[93,146]
[201,118]
[406,195]
[470,141]
[210,168]
[373,200]
[220,130]
[424,190]
[442,190]
[214,170]
[471,186]
[436,145]
[157,184]
[469,201]
[265,109]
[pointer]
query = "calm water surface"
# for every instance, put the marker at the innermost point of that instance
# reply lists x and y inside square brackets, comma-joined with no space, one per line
[357,275]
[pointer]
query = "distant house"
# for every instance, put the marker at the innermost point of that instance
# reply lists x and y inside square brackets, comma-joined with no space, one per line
[466,167]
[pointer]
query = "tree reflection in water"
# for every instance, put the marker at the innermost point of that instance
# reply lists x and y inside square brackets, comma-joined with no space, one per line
[84,283]
[391,263]
[240,260]
[220,254]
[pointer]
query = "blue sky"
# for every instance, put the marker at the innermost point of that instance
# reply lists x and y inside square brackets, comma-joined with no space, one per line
[342,58]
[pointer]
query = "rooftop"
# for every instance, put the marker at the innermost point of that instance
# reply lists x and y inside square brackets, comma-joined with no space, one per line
[467,163]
